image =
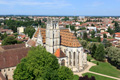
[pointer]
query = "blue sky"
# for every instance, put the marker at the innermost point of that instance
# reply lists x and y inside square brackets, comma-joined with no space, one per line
[60,7]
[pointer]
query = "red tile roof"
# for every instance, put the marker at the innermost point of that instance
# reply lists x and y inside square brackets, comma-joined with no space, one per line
[104,32]
[59,53]
[117,36]
[31,42]
[22,36]
[13,46]
[10,58]
[117,33]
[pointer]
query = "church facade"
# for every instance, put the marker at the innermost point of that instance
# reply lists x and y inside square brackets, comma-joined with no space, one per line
[61,43]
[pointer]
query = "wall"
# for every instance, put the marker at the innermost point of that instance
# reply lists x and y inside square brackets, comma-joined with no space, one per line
[9,72]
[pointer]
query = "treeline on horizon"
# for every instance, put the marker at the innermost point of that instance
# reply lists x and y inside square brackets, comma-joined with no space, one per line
[56,16]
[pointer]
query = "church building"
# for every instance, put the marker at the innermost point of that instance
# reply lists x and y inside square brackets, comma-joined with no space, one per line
[61,43]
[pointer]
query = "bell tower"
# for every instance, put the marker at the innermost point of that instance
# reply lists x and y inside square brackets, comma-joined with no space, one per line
[52,35]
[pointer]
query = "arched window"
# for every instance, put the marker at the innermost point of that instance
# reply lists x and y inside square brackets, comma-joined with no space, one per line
[69,58]
[74,59]
[63,62]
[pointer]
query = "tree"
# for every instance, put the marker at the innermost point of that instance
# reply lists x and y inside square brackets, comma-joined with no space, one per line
[9,40]
[92,33]
[117,28]
[104,36]
[93,50]
[99,53]
[113,55]
[65,73]
[40,65]
[72,27]
[92,25]
[3,36]
[85,36]
[106,43]
[99,39]
[66,19]
[83,43]
[110,30]
[30,31]
[67,26]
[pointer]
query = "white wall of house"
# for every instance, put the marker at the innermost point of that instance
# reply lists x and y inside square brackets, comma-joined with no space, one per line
[8,72]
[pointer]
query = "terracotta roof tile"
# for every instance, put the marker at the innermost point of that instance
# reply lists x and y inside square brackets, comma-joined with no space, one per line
[31,42]
[59,53]
[67,38]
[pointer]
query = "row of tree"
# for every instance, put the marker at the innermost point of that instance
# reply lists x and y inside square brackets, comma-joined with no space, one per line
[113,55]
[10,40]
[96,49]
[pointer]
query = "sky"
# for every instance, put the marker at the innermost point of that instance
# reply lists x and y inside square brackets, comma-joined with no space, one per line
[60,7]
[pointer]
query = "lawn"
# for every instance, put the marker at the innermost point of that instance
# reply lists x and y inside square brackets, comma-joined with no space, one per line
[97,77]
[89,57]
[105,68]
[76,77]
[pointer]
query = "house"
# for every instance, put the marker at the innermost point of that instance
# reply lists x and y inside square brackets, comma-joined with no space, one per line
[21,36]
[117,35]
[7,31]
[10,56]
[107,33]
[92,28]
[20,29]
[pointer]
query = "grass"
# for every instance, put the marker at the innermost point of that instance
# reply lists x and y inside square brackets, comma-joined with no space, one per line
[105,68]
[76,77]
[97,77]
[89,57]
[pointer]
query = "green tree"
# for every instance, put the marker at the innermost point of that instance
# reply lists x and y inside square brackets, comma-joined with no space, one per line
[83,43]
[113,54]
[30,31]
[3,36]
[99,53]
[65,73]
[85,36]
[110,30]
[66,19]
[99,39]
[67,26]
[93,50]
[40,65]
[93,34]
[117,28]
[106,43]
[72,27]
[90,46]
[92,25]
[9,40]
[104,36]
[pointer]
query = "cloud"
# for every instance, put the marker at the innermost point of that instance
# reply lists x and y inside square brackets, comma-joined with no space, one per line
[46,3]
